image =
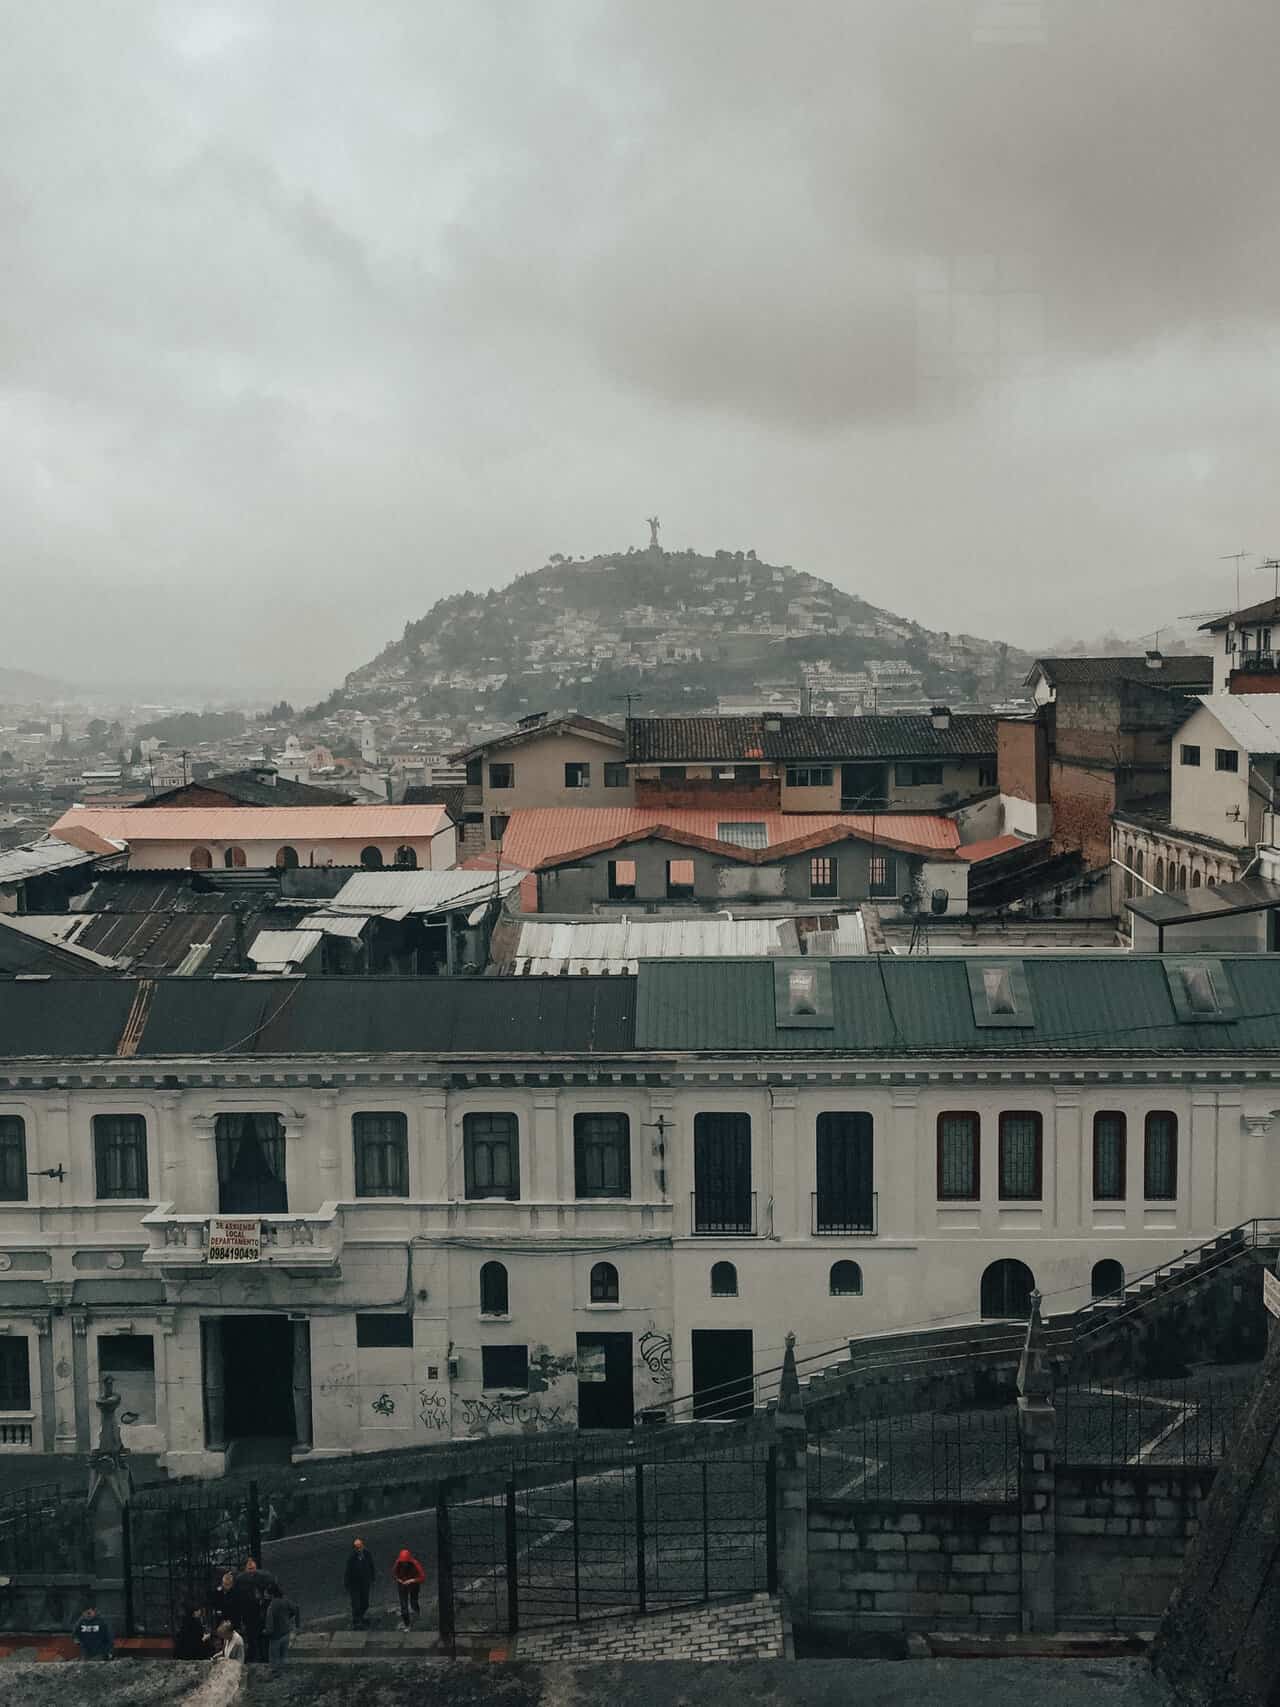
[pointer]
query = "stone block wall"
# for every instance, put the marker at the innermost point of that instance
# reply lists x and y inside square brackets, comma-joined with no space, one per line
[889,1566]
[1121,1537]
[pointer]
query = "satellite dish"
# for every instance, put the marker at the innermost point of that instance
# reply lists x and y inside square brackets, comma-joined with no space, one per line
[909,902]
[939,901]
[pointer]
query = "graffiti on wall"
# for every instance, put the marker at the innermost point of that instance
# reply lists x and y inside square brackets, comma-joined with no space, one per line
[479,1414]
[384,1405]
[433,1410]
[655,1353]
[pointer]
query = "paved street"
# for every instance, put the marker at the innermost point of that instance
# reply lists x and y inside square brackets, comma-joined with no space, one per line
[311,1567]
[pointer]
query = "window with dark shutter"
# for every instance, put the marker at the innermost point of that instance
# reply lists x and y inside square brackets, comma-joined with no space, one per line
[251,1164]
[1160,1159]
[120,1155]
[1020,1156]
[381,1154]
[13,1159]
[958,1161]
[491,1150]
[1108,1157]
[602,1155]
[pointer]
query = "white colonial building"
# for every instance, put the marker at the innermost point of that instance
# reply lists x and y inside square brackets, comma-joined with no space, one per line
[341,1214]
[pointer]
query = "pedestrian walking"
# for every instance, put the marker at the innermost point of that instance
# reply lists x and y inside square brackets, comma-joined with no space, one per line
[357,1579]
[409,1576]
[281,1619]
[253,1587]
[232,1643]
[93,1633]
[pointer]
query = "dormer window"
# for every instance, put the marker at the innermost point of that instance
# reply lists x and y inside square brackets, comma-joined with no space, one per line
[802,993]
[1200,989]
[1000,994]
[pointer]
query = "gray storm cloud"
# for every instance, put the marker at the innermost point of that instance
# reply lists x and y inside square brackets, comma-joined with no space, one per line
[313,314]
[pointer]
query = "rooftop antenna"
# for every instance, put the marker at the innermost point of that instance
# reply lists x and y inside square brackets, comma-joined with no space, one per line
[1230,557]
[1273,563]
[629,697]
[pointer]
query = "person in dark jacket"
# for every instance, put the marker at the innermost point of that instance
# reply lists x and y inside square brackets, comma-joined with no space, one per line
[253,1589]
[191,1640]
[93,1633]
[357,1579]
[409,1576]
[281,1619]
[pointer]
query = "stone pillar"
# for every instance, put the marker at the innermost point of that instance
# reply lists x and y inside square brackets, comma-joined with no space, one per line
[544,1180]
[110,1485]
[1069,1210]
[790,1215]
[791,1438]
[1036,1479]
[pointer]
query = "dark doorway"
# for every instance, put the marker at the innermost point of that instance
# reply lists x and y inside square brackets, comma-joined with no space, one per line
[606,1396]
[863,787]
[722,1372]
[249,1379]
[1006,1289]
[1107,1279]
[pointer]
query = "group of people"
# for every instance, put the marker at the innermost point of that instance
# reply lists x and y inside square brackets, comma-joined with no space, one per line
[407,1574]
[249,1617]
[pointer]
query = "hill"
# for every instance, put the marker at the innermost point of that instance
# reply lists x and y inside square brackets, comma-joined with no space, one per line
[672,631]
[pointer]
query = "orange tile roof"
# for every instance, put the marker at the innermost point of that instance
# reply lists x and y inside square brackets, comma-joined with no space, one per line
[994,845]
[540,836]
[256,823]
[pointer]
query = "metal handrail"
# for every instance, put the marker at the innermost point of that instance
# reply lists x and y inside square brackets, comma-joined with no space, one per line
[726,1225]
[837,1225]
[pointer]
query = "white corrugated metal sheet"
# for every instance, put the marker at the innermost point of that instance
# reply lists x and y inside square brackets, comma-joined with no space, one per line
[422,891]
[335,924]
[617,945]
[48,854]
[277,951]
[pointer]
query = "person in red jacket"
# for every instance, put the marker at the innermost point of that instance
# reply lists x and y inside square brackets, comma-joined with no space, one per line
[409,1576]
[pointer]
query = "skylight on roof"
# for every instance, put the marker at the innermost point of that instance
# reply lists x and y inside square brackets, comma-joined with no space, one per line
[802,993]
[743,835]
[1000,993]
[1200,989]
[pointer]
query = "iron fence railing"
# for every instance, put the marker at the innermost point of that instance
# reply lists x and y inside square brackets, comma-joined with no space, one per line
[839,1215]
[721,1214]
[931,1455]
[1116,1421]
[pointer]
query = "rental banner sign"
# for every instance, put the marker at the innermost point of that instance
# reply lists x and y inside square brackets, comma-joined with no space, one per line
[235,1239]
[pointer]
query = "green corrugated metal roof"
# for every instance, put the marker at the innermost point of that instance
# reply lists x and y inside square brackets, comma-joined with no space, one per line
[884,1005]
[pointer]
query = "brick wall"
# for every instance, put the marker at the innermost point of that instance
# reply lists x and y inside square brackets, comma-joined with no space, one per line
[1121,1536]
[1022,759]
[1083,801]
[888,1566]
[1117,1537]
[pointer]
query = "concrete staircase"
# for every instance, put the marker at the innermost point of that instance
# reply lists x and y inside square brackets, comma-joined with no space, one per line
[968,1363]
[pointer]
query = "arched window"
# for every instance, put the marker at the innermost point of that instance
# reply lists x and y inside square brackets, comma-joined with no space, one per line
[201,859]
[1182,877]
[233,859]
[1160,875]
[1195,879]
[406,858]
[1107,1279]
[724,1280]
[604,1283]
[493,1289]
[1138,869]
[1007,1286]
[287,858]
[371,858]
[846,1280]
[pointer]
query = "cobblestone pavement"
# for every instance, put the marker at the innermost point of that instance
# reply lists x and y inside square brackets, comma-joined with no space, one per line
[728,1630]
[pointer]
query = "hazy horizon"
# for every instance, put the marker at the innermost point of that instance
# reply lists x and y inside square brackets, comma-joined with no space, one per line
[316,315]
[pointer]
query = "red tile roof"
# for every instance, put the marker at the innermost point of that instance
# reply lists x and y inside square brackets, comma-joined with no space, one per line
[975,851]
[256,823]
[542,836]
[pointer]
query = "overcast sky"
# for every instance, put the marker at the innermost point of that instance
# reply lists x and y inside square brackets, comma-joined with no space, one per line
[314,311]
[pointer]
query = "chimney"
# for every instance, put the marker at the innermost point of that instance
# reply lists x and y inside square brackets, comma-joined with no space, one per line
[1155,660]
[940,716]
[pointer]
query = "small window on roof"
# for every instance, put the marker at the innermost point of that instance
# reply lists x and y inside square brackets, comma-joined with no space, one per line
[743,835]
[1201,990]
[802,993]
[1000,994]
